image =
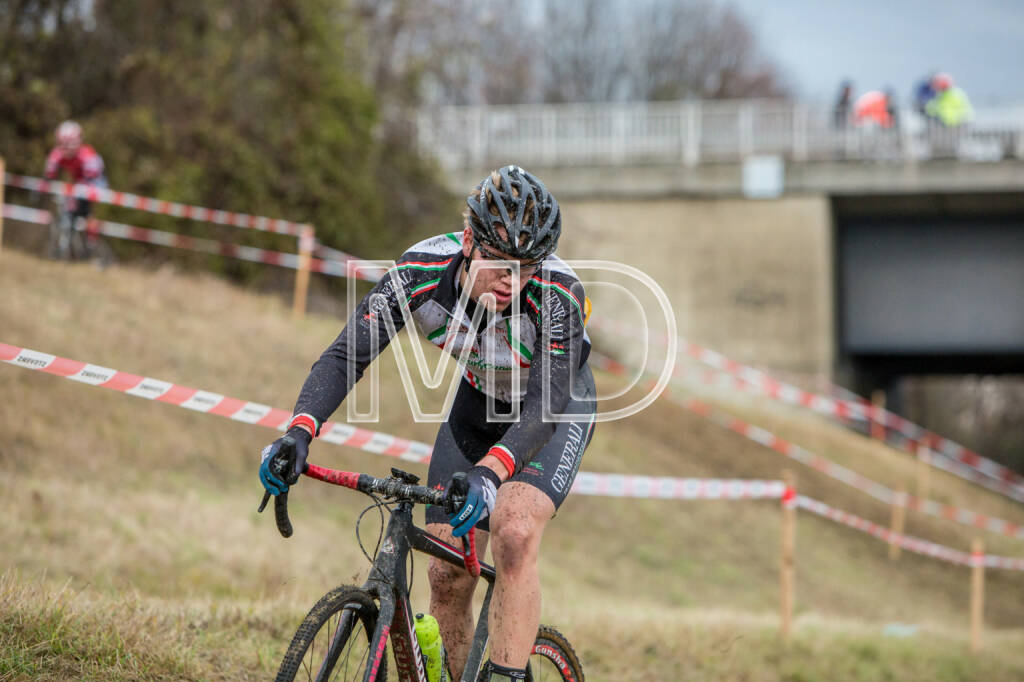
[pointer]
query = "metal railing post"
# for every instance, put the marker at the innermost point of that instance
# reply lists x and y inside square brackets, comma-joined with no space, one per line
[477,149]
[618,133]
[906,140]
[745,122]
[691,154]
[549,135]
[800,119]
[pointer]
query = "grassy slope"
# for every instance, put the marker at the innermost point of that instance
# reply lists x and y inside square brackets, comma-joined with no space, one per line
[132,549]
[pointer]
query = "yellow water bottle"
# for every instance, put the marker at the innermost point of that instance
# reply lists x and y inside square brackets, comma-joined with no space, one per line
[429,637]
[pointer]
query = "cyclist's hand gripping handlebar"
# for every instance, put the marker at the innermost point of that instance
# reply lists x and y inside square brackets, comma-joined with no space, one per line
[282,466]
[456,497]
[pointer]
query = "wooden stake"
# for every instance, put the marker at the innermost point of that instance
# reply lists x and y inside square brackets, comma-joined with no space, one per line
[899,517]
[924,467]
[787,562]
[2,171]
[306,243]
[877,420]
[977,592]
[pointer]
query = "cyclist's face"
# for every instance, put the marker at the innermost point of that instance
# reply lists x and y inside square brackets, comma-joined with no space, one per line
[69,148]
[496,280]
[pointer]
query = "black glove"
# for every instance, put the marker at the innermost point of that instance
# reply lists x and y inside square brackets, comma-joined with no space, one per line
[481,491]
[284,460]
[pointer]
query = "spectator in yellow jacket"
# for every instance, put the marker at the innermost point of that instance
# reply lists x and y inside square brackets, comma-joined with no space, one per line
[950,104]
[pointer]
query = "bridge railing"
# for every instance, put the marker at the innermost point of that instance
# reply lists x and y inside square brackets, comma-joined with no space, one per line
[693,132]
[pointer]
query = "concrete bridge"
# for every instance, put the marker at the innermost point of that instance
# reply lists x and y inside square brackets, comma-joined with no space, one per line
[702,148]
[882,252]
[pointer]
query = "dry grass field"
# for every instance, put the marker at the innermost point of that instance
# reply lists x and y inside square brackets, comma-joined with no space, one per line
[130,547]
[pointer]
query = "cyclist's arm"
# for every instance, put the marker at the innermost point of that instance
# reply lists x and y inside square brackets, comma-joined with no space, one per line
[92,164]
[364,337]
[558,353]
[52,164]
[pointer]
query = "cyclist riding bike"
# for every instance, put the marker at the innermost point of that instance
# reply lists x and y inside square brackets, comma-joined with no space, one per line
[497,298]
[79,161]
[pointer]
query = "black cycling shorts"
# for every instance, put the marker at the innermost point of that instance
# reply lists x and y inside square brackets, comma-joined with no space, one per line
[466,436]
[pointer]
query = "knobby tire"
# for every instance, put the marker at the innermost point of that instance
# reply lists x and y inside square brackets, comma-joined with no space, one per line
[354,612]
[553,658]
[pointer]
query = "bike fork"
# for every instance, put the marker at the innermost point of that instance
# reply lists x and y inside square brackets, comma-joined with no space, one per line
[345,624]
[381,633]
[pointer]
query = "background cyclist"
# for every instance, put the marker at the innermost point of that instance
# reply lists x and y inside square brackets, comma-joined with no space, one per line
[79,162]
[496,291]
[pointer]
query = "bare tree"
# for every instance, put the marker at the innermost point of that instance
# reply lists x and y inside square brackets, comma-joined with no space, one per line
[409,42]
[585,56]
[491,56]
[517,51]
[696,49]
[520,51]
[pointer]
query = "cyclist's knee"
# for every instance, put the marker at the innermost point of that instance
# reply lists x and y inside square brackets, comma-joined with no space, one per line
[515,536]
[513,543]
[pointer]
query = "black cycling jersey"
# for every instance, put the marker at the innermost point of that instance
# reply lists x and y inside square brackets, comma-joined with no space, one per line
[537,345]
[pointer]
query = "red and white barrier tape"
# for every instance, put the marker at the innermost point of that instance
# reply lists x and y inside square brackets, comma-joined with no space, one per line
[334,268]
[828,467]
[908,542]
[372,441]
[615,485]
[26,214]
[385,444]
[991,474]
[210,403]
[711,376]
[108,196]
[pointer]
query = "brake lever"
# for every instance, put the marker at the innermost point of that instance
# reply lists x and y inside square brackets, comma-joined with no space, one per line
[469,558]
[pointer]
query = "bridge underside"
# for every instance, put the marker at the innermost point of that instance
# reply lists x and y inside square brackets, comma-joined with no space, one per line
[928,284]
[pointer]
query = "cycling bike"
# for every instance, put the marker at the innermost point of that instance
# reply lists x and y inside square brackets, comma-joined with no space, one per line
[71,237]
[345,635]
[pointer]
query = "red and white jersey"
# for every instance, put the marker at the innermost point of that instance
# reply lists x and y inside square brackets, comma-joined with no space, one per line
[85,166]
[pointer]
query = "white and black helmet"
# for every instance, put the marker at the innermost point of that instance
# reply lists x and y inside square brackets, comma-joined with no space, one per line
[517,201]
[69,133]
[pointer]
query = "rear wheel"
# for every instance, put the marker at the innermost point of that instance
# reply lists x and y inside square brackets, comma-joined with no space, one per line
[99,252]
[333,642]
[553,658]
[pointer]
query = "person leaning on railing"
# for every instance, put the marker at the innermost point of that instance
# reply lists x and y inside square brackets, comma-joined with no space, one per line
[950,104]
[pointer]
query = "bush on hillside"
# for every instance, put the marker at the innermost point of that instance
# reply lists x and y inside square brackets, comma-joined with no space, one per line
[255,106]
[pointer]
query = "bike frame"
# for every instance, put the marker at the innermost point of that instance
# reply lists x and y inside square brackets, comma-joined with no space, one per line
[62,228]
[388,581]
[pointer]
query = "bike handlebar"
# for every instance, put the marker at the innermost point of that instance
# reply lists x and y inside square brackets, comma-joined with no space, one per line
[400,486]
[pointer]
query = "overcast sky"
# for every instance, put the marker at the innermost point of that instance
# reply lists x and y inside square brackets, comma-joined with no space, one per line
[880,43]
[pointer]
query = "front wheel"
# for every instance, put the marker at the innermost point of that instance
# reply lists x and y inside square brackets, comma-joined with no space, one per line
[100,252]
[553,658]
[333,642]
